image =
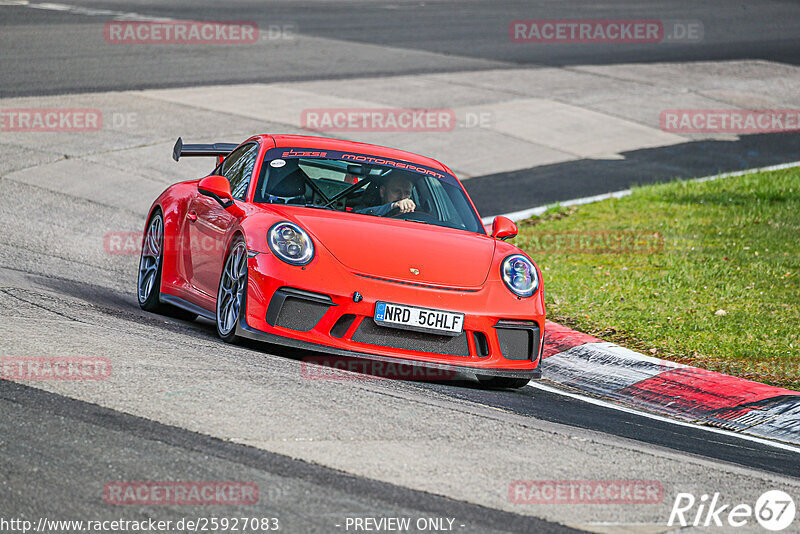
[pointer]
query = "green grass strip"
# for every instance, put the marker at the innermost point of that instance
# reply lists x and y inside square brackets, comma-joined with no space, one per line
[703,273]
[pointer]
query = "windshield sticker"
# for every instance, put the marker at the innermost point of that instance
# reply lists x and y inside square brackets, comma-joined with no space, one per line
[391,163]
[277,163]
[360,158]
[292,153]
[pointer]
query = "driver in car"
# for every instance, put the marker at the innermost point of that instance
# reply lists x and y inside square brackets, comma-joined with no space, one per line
[395,193]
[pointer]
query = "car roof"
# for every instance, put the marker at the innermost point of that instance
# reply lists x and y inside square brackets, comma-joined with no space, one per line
[309,141]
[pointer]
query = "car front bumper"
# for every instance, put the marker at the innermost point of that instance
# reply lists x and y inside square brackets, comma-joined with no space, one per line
[314,308]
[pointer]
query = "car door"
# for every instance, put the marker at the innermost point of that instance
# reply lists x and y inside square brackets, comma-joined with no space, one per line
[209,222]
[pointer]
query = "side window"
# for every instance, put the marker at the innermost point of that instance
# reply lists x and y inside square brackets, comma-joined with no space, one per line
[238,167]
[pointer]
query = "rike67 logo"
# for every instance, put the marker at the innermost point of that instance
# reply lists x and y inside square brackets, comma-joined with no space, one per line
[774,510]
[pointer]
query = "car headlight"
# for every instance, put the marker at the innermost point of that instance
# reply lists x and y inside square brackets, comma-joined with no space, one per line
[519,275]
[290,243]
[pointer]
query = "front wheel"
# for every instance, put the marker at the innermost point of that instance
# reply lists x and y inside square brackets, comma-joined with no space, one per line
[232,292]
[502,382]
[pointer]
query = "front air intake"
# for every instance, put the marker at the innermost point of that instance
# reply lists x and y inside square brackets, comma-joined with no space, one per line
[297,309]
[519,340]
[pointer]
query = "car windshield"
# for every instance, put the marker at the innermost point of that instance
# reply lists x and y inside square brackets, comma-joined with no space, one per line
[365,185]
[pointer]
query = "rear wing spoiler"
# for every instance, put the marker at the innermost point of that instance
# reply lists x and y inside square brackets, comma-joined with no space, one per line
[220,150]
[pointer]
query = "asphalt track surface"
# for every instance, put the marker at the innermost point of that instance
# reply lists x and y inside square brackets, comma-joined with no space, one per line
[519,190]
[100,444]
[56,451]
[471,35]
[47,51]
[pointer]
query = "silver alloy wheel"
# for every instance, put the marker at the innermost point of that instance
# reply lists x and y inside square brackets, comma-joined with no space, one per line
[231,289]
[151,257]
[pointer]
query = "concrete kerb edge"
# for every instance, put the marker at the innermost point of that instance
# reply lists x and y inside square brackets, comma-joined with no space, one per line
[587,364]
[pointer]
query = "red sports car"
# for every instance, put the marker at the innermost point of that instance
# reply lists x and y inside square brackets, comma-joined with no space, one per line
[346,248]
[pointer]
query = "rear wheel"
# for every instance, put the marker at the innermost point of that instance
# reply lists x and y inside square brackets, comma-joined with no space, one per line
[150,263]
[502,382]
[232,292]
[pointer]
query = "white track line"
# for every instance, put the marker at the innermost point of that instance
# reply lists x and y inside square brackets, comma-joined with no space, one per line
[530,212]
[613,406]
[85,11]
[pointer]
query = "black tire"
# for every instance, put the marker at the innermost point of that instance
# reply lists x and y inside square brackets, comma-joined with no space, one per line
[232,292]
[151,259]
[502,382]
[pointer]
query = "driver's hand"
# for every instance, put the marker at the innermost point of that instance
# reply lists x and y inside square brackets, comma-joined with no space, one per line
[405,205]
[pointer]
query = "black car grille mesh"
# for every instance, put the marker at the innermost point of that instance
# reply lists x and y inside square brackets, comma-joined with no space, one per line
[374,334]
[301,315]
[517,342]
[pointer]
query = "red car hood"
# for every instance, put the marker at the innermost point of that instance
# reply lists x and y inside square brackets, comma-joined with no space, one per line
[387,248]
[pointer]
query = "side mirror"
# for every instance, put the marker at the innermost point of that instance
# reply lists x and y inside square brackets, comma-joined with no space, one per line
[218,188]
[503,228]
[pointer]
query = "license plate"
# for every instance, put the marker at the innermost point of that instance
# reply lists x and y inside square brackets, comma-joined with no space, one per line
[421,319]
